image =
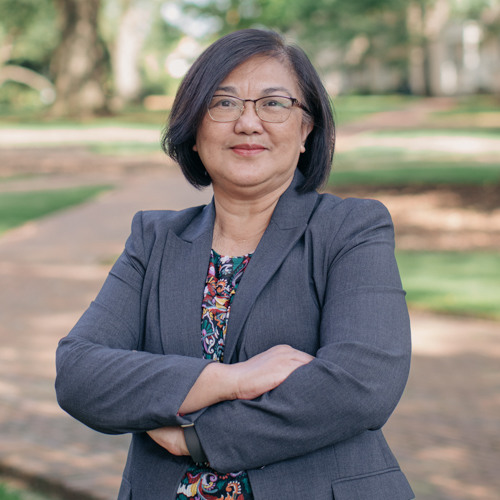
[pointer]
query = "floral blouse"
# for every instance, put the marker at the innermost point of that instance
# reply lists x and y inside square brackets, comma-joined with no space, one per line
[224,274]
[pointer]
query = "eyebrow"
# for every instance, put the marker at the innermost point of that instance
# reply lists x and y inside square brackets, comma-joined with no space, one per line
[267,91]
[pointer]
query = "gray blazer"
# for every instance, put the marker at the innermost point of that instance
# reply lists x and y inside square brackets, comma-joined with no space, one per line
[323,280]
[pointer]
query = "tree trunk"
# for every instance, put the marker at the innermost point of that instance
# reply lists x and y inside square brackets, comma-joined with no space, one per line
[133,29]
[417,57]
[79,63]
[436,17]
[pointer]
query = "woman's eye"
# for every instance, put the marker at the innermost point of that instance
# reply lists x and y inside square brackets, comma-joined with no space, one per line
[275,103]
[224,103]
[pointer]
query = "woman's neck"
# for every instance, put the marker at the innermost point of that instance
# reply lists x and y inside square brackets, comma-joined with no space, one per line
[240,224]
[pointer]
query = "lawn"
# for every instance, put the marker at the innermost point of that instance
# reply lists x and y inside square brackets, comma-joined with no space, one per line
[472,104]
[8,492]
[398,166]
[125,148]
[349,108]
[437,152]
[137,117]
[460,283]
[16,208]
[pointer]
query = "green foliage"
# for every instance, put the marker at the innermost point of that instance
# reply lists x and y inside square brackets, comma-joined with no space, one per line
[463,283]
[16,208]
[28,36]
[31,25]
[16,96]
[161,42]
[320,27]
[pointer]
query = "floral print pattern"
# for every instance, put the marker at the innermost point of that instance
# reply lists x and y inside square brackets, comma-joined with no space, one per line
[203,483]
[224,274]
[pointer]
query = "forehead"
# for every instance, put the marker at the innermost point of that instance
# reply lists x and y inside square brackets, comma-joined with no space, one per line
[261,75]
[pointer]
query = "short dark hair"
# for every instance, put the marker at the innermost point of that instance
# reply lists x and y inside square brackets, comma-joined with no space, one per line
[212,67]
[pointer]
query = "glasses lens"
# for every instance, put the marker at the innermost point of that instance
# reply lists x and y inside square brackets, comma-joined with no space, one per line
[274,108]
[224,108]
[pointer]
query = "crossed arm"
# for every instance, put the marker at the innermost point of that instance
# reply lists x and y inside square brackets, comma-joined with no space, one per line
[220,382]
[352,384]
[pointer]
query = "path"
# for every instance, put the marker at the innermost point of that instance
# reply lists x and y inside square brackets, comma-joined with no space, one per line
[50,270]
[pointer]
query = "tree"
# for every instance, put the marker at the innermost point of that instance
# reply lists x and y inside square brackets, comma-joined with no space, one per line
[80,65]
[377,45]
[337,34]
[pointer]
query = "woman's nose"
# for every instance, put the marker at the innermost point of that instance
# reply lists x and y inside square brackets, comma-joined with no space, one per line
[249,121]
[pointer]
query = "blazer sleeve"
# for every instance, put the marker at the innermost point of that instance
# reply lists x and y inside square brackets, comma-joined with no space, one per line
[103,379]
[358,374]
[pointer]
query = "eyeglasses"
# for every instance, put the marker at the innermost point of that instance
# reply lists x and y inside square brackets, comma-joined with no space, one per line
[272,108]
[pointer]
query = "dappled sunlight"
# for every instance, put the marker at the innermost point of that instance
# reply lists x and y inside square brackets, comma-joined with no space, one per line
[455,218]
[442,215]
[8,389]
[64,271]
[449,336]
[13,138]
[446,430]
[459,489]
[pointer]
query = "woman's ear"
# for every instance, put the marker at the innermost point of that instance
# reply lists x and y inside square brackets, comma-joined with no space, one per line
[195,148]
[307,126]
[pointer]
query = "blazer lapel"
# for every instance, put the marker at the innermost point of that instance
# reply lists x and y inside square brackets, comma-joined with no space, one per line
[288,223]
[182,280]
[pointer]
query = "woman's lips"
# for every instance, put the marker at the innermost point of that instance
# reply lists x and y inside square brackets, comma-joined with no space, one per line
[248,149]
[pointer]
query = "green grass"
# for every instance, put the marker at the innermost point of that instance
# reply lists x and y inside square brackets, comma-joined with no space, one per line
[17,177]
[482,133]
[461,283]
[16,208]
[125,148]
[474,104]
[349,108]
[8,492]
[131,117]
[397,166]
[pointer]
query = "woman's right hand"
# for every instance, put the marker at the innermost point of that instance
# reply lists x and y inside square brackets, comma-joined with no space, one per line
[245,380]
[266,370]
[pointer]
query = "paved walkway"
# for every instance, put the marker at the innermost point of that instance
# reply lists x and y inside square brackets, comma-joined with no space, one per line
[446,430]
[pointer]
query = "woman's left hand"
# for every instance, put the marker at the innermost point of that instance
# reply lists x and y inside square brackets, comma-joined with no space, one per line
[170,438]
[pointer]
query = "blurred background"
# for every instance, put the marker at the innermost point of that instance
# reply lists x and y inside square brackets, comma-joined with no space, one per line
[85,90]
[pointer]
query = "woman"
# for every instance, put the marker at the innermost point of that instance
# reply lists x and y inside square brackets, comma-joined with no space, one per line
[286,398]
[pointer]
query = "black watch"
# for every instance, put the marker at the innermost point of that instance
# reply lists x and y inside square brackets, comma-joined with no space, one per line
[193,444]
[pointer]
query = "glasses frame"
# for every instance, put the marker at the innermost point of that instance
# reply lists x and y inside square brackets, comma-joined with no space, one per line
[295,103]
